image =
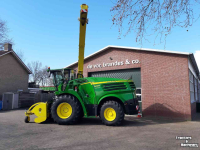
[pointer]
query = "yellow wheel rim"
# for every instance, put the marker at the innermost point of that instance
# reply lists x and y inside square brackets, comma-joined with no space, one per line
[64,110]
[110,114]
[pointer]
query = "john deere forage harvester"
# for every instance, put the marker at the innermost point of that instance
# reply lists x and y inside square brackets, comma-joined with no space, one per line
[77,97]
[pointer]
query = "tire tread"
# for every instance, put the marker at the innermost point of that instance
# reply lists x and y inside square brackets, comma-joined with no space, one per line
[120,110]
[77,114]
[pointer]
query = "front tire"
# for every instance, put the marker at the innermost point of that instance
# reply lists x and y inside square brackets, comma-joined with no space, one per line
[66,110]
[112,113]
[27,119]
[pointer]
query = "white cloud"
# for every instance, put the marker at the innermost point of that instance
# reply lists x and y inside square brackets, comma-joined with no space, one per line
[197,58]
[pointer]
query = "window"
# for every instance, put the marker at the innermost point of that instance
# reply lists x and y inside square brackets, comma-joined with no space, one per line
[73,74]
[139,94]
[66,75]
[198,91]
[191,78]
[138,91]
[195,89]
[57,78]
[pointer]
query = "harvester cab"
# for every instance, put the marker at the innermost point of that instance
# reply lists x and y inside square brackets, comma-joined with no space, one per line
[61,77]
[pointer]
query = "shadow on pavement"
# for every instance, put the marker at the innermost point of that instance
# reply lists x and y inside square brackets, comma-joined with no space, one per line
[130,121]
[134,121]
[160,114]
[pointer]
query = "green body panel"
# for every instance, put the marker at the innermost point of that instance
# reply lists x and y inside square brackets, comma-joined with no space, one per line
[122,94]
[87,89]
[48,88]
[92,90]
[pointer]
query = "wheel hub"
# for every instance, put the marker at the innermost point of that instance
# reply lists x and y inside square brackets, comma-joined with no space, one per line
[110,114]
[64,110]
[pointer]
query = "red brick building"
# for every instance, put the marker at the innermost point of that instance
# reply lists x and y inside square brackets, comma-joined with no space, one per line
[169,81]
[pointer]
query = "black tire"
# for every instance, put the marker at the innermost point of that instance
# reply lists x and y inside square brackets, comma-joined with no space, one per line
[76,110]
[119,113]
[27,119]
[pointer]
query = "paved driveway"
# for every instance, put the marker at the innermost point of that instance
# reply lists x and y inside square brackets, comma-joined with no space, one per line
[135,134]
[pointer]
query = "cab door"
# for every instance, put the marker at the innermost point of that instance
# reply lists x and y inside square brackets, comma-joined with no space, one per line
[88,95]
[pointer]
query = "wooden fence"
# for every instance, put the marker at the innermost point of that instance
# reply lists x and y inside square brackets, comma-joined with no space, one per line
[46,96]
[27,99]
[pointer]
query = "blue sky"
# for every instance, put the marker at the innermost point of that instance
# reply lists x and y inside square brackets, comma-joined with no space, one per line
[48,31]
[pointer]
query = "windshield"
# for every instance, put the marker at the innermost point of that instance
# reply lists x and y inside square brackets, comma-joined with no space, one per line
[62,77]
[58,78]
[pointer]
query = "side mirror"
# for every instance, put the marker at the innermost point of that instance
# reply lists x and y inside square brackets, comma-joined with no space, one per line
[48,70]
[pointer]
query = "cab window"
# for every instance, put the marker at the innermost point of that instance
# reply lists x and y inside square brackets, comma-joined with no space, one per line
[58,78]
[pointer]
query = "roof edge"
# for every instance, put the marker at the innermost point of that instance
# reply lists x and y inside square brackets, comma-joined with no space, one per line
[192,58]
[5,53]
[131,48]
[16,56]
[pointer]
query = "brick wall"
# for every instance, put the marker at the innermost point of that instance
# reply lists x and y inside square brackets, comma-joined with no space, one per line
[12,75]
[164,80]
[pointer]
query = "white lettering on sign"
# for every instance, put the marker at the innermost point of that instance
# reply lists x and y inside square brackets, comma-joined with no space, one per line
[135,61]
[113,64]
[116,63]
[89,66]
[127,62]
[97,66]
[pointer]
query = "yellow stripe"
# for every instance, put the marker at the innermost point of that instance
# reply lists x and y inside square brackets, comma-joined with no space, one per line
[106,82]
[86,83]
[93,83]
[130,80]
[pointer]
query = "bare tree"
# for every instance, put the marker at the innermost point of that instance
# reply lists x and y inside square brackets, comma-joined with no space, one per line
[4,34]
[35,67]
[39,74]
[44,77]
[147,17]
[49,81]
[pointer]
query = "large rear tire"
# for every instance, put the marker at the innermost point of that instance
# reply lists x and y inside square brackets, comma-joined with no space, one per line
[66,110]
[112,113]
